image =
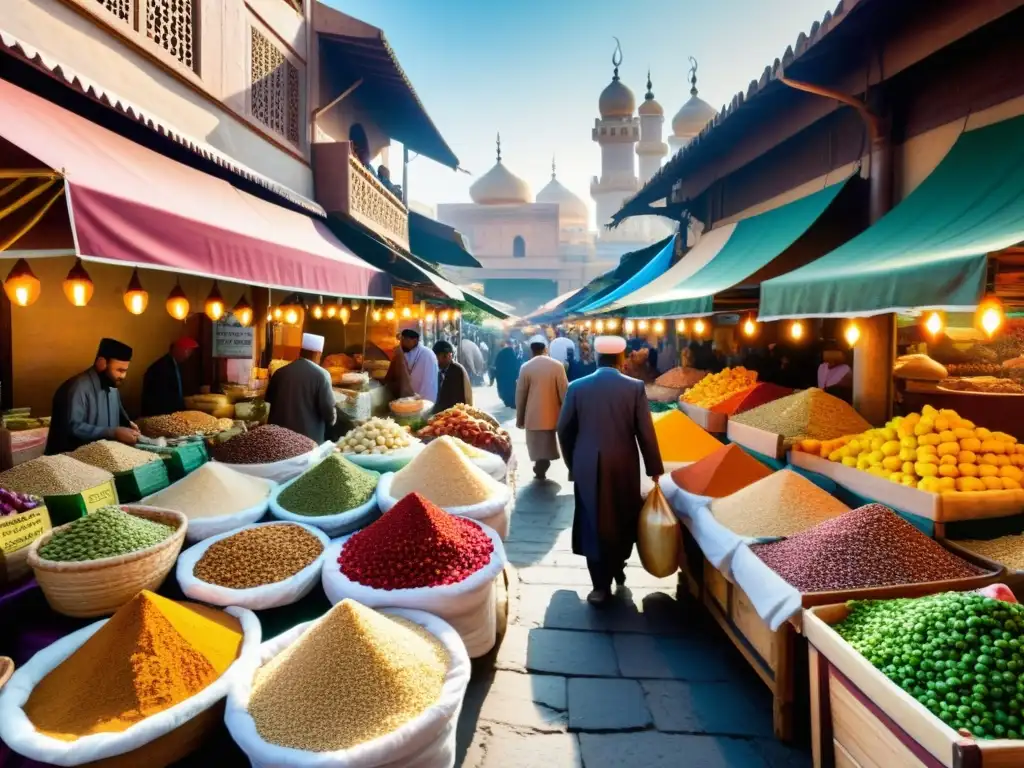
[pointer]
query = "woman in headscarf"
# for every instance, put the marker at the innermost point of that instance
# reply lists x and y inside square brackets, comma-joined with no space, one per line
[506,373]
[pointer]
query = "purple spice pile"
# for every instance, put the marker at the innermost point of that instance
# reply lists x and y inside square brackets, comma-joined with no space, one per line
[870,546]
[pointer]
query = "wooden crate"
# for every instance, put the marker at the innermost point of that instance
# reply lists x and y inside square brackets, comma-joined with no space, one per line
[709,421]
[1011,577]
[860,718]
[767,443]
[772,655]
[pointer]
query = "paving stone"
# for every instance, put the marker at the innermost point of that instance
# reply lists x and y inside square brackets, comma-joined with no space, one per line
[497,746]
[635,577]
[520,532]
[779,755]
[557,652]
[597,704]
[731,709]
[651,749]
[694,658]
[645,611]
[530,701]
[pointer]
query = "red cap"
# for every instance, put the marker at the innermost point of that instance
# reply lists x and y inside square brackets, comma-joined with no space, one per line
[186,343]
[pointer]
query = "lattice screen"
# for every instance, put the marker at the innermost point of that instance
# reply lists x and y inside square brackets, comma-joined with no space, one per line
[276,89]
[171,24]
[122,9]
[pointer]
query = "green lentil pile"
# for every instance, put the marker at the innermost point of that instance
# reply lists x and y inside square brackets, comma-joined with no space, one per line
[257,556]
[107,532]
[1008,550]
[334,485]
[113,456]
[958,653]
[53,476]
[353,676]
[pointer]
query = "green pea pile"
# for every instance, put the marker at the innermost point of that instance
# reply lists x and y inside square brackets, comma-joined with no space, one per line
[107,532]
[960,654]
[332,486]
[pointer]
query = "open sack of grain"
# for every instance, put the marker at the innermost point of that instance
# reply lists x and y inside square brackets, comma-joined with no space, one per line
[89,696]
[335,495]
[725,471]
[380,445]
[419,556]
[445,476]
[215,499]
[356,688]
[271,452]
[258,567]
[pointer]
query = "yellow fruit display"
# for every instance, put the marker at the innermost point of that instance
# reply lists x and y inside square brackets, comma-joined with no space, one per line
[934,450]
[717,387]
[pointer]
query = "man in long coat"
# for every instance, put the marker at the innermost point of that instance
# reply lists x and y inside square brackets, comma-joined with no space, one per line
[300,394]
[539,396]
[604,420]
[506,373]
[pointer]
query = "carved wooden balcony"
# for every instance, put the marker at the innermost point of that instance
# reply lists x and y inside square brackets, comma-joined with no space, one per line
[344,185]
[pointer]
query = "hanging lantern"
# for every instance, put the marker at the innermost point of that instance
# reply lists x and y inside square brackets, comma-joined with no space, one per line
[292,316]
[343,313]
[22,286]
[852,333]
[749,327]
[78,286]
[270,316]
[628,327]
[933,324]
[659,327]
[135,297]
[796,330]
[318,309]
[355,305]
[214,307]
[277,314]
[389,315]
[376,315]
[177,303]
[331,310]
[406,312]
[680,327]
[990,315]
[243,311]
[698,327]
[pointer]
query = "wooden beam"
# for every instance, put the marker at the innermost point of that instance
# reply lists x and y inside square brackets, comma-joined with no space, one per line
[336,100]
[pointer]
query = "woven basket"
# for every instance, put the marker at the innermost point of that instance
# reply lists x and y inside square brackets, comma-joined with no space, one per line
[100,587]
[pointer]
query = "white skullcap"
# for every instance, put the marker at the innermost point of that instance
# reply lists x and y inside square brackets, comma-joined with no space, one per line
[538,339]
[312,343]
[609,345]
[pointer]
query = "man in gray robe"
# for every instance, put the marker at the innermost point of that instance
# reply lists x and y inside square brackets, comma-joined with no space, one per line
[300,394]
[87,407]
[603,421]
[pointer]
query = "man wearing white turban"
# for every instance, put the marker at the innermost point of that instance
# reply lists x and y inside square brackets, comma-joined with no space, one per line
[604,428]
[300,394]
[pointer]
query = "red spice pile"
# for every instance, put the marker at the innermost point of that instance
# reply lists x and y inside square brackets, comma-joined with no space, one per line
[415,544]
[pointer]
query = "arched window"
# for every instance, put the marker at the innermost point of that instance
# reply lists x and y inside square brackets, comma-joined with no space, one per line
[518,247]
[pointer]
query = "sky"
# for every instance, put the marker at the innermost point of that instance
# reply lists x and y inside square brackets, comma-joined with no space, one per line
[533,70]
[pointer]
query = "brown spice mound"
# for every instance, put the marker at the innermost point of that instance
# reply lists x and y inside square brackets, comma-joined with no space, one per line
[257,556]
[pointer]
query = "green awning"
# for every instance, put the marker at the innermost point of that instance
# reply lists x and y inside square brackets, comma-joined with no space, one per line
[438,243]
[498,309]
[931,250]
[752,245]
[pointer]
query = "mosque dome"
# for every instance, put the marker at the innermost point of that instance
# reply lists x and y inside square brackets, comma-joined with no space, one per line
[650,105]
[500,186]
[616,100]
[695,113]
[571,209]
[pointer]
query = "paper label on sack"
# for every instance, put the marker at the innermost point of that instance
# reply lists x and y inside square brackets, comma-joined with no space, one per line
[101,496]
[18,531]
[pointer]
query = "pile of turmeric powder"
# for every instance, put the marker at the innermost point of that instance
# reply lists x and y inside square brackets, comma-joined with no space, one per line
[152,654]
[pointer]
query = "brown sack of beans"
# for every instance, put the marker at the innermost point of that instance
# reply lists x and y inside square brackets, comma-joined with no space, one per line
[263,445]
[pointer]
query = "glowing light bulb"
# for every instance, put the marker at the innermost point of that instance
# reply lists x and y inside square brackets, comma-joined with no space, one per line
[612,324]
[177,303]
[376,315]
[278,314]
[136,299]
[628,327]
[749,327]
[933,324]
[406,312]
[331,311]
[588,324]
[291,316]
[680,326]
[642,325]
[317,311]
[852,333]
[599,326]
[991,319]
[796,330]
[659,327]
[344,314]
[242,312]
[390,314]
[698,327]
[78,286]
[214,307]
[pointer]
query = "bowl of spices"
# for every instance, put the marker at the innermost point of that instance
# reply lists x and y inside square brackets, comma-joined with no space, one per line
[269,451]
[96,564]
[257,567]
[356,687]
[139,687]
[336,496]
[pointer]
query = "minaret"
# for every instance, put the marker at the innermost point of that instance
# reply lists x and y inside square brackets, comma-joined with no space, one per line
[651,150]
[692,117]
[616,131]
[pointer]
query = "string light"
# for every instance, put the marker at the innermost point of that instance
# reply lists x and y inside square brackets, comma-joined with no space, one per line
[749,327]
[376,315]
[444,317]
[588,324]
[431,317]
[990,315]
[214,307]
[389,315]
[291,316]
[318,309]
[642,326]
[796,330]
[242,311]
[278,314]
[698,327]
[331,310]
[177,303]
[22,286]
[78,286]
[852,333]
[344,314]
[659,327]
[933,324]
[136,299]
[628,327]
[680,327]
[406,312]
[599,326]
[612,324]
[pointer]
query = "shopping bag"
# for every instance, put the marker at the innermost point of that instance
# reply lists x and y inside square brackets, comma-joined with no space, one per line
[658,535]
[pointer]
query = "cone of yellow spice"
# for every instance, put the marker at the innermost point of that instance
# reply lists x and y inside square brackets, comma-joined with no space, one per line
[152,654]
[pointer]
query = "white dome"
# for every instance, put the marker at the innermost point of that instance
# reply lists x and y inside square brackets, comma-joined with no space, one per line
[571,209]
[616,100]
[692,117]
[500,186]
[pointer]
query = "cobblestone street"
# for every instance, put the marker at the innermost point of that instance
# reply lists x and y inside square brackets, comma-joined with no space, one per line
[649,681]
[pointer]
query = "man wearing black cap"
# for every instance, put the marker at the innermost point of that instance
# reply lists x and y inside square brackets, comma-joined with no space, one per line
[87,407]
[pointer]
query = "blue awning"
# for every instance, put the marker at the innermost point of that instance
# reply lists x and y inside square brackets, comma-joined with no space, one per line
[650,271]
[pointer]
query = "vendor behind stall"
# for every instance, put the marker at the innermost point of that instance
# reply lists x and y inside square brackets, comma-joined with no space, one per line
[834,375]
[421,364]
[453,384]
[300,394]
[87,407]
[162,392]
